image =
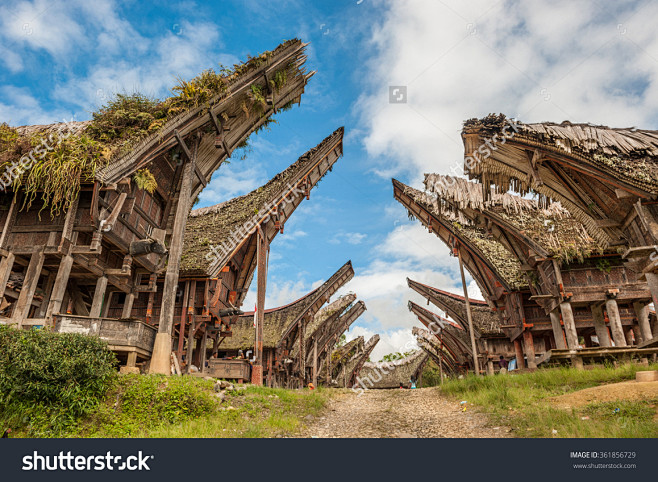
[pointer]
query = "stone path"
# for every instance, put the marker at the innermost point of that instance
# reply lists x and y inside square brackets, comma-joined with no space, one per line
[399,414]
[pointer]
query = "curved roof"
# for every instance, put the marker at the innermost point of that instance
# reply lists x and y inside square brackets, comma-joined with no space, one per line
[226,226]
[391,374]
[485,321]
[279,322]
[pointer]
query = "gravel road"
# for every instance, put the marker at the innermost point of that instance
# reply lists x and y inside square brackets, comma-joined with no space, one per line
[419,413]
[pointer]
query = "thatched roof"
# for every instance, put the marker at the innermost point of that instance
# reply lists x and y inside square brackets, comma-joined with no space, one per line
[279,321]
[429,343]
[628,153]
[552,227]
[391,374]
[229,224]
[485,321]
[353,365]
[133,130]
[505,264]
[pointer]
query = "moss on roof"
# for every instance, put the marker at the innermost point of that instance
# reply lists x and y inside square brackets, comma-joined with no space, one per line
[66,155]
[224,225]
[507,266]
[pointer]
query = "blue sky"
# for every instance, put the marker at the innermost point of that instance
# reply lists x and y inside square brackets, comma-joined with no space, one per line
[584,61]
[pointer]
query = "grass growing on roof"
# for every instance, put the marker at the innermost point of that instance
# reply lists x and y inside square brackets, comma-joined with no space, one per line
[522,402]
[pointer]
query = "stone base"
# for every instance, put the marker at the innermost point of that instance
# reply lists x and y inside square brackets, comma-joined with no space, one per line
[125,369]
[161,357]
[647,376]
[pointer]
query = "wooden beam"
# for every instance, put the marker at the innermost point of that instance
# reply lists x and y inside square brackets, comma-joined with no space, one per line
[128,305]
[9,222]
[99,296]
[191,158]
[24,303]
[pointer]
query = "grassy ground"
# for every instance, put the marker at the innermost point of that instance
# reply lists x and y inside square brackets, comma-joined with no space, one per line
[522,402]
[157,406]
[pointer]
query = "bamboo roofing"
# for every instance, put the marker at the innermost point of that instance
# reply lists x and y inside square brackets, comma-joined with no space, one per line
[628,154]
[222,224]
[393,373]
[278,321]
[506,265]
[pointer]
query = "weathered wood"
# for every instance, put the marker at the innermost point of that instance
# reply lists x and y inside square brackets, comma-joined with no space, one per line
[569,325]
[602,332]
[652,281]
[78,303]
[476,365]
[190,345]
[99,296]
[204,343]
[642,313]
[5,270]
[615,322]
[520,361]
[48,288]
[183,321]
[558,334]
[128,305]
[529,348]
[24,303]
[315,362]
[9,222]
[160,359]
[261,286]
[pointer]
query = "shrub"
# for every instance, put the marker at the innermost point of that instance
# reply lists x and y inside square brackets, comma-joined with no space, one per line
[49,380]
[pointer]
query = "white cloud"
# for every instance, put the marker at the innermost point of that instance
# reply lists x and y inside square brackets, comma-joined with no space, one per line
[349,238]
[393,341]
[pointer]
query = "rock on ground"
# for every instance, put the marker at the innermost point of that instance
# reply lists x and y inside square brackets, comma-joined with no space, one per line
[420,413]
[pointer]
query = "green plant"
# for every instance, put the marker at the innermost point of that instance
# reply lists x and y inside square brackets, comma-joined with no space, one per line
[604,265]
[49,380]
[145,180]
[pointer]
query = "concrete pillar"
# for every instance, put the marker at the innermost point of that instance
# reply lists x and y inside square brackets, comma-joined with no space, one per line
[615,322]
[128,305]
[99,296]
[599,325]
[529,347]
[558,334]
[490,367]
[520,362]
[569,325]
[652,281]
[642,313]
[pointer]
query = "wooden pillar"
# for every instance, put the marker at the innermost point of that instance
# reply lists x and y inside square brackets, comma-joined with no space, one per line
[628,335]
[602,332]
[520,362]
[529,346]
[128,305]
[204,354]
[615,322]
[183,321]
[642,313]
[160,359]
[652,281]
[302,351]
[569,325]
[637,334]
[99,296]
[190,344]
[476,364]
[5,270]
[315,362]
[24,303]
[149,307]
[62,278]
[490,367]
[132,359]
[9,222]
[262,247]
[558,334]
[106,306]
[47,289]
[330,350]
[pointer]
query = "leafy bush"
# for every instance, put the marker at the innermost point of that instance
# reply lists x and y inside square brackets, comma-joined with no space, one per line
[49,380]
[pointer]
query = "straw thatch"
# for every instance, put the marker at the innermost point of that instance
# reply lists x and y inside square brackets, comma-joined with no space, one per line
[230,223]
[278,321]
[391,374]
[485,322]
[552,227]
[628,153]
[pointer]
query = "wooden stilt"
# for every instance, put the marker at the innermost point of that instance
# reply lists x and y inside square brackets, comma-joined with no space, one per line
[476,365]
[99,296]
[160,359]
[558,334]
[183,321]
[132,359]
[30,283]
[9,222]
[203,348]
[315,362]
[520,362]
[642,313]
[128,306]
[652,281]
[602,332]
[615,322]
[569,325]
[47,289]
[261,286]
[529,346]
[5,270]
[190,345]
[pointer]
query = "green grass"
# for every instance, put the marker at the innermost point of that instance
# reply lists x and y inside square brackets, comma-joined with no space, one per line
[522,402]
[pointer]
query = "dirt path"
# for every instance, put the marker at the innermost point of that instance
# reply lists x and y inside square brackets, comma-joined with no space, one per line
[399,414]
